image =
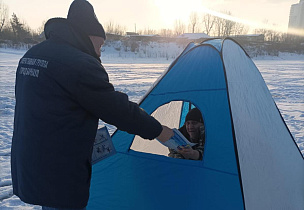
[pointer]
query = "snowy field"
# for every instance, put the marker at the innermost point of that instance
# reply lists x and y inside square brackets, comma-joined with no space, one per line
[284,77]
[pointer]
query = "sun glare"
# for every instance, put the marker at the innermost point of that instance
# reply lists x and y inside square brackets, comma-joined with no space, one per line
[244,21]
[173,10]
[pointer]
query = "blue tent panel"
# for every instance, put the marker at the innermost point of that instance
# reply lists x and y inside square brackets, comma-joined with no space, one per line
[217,43]
[185,109]
[118,183]
[136,180]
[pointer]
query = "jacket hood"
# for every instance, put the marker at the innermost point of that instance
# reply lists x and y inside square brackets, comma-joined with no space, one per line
[62,30]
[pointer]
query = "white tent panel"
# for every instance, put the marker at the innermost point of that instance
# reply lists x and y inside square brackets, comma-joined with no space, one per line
[272,168]
[169,115]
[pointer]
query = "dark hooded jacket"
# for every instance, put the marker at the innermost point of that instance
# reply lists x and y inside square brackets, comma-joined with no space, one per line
[62,90]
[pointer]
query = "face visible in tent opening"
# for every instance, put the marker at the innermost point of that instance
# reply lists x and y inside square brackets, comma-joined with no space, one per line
[193,123]
[193,129]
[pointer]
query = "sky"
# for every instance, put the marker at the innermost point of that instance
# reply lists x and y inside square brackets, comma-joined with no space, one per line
[158,14]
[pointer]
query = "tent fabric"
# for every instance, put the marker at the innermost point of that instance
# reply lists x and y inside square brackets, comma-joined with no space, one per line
[185,109]
[250,159]
[271,166]
[170,119]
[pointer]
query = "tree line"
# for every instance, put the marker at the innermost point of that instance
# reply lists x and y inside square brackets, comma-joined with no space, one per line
[211,25]
[206,23]
[17,31]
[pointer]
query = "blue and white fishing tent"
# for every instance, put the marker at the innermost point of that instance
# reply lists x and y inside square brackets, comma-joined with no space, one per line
[251,160]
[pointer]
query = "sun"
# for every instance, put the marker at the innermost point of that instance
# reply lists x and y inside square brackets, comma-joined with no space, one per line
[172,10]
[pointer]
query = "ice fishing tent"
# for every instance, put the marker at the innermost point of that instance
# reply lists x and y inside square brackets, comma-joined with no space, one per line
[250,161]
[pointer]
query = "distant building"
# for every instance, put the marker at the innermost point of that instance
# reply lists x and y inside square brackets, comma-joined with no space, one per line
[132,33]
[194,36]
[250,37]
[113,36]
[148,37]
[296,16]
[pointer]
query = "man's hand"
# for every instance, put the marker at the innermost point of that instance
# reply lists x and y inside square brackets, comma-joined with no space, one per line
[188,152]
[166,134]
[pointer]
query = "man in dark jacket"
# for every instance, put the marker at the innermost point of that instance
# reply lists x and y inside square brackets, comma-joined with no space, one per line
[62,90]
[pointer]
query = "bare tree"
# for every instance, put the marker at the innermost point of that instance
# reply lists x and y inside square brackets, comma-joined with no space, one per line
[270,35]
[208,23]
[166,32]
[119,29]
[147,31]
[240,29]
[112,28]
[109,27]
[179,27]
[228,25]
[3,14]
[193,21]
[219,26]
[273,36]
[40,29]
[38,34]
[262,30]
[228,29]
[223,27]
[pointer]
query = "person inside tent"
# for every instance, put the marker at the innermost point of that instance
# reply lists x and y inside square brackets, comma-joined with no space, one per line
[194,131]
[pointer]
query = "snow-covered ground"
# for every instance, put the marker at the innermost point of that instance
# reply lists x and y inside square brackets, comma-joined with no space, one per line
[134,75]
